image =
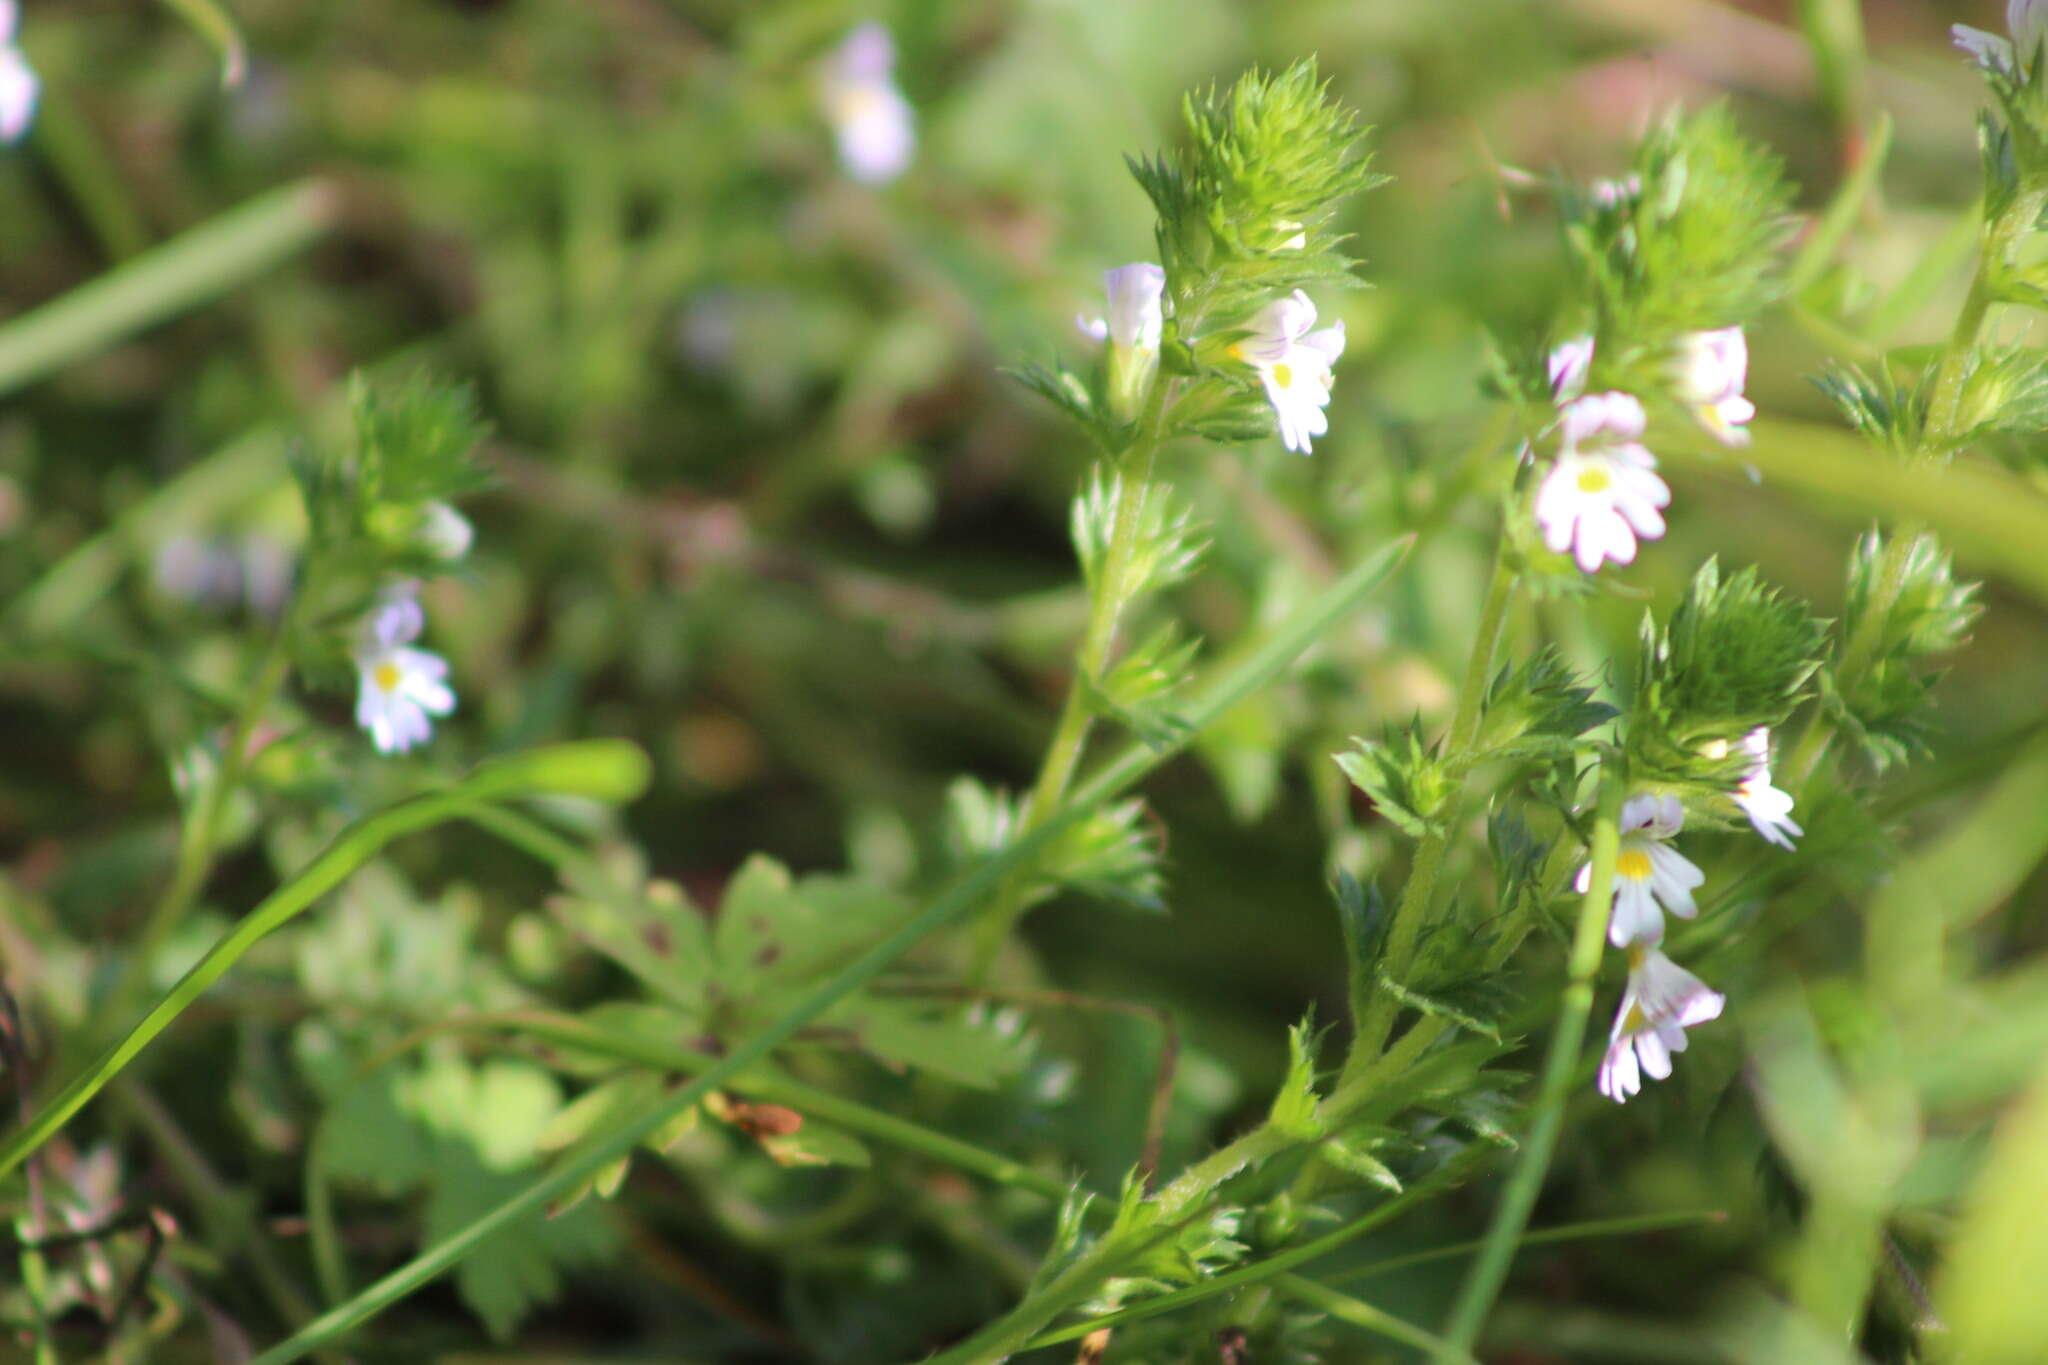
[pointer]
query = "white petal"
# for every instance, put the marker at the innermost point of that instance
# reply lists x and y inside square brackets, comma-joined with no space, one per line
[1635,918]
[1673,876]
[1656,1056]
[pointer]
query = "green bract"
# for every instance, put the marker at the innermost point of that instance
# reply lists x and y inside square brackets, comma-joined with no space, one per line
[1736,654]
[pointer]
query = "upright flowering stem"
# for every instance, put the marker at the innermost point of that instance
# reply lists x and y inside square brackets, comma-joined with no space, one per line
[1105,609]
[1429,854]
[200,834]
[1511,1215]
[2002,238]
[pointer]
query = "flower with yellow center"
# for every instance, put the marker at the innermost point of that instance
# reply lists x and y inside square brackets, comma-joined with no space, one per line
[1648,872]
[1662,1001]
[1294,364]
[1708,372]
[870,118]
[1603,492]
[399,687]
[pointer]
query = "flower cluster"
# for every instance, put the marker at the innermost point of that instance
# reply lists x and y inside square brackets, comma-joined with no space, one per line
[1652,879]
[871,121]
[19,87]
[1602,493]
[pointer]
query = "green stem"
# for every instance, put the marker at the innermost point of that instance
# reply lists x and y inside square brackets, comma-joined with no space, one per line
[1109,594]
[1378,1321]
[1570,1232]
[1511,1216]
[201,834]
[166,280]
[1262,1271]
[602,770]
[967,893]
[1427,869]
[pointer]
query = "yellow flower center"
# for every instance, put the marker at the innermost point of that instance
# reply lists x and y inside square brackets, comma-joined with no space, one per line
[1594,479]
[1635,1020]
[1633,864]
[386,676]
[1235,350]
[1283,375]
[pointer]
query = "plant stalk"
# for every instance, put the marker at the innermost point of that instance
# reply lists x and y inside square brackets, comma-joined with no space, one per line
[1427,868]
[1511,1216]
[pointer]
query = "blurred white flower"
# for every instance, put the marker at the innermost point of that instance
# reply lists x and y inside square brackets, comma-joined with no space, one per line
[1132,330]
[1603,492]
[444,532]
[1610,193]
[1662,1001]
[399,687]
[1768,808]
[18,89]
[1708,374]
[1294,365]
[1568,366]
[1648,872]
[870,118]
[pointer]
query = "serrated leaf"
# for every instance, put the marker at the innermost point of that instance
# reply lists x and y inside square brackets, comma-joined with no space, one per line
[1448,1008]
[1404,778]
[1355,1161]
[1294,1105]
[947,1041]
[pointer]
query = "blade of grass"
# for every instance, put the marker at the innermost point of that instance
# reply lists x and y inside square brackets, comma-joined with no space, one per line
[605,770]
[188,270]
[968,892]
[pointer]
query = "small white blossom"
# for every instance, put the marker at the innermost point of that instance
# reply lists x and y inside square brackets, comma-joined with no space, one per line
[400,687]
[1612,193]
[1768,808]
[444,532]
[1132,330]
[1662,1001]
[1708,375]
[19,89]
[1986,51]
[870,118]
[1568,365]
[1293,363]
[1648,872]
[1603,493]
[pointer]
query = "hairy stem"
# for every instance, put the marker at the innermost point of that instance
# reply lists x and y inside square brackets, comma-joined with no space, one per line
[1511,1216]
[1109,594]
[1429,854]
[198,840]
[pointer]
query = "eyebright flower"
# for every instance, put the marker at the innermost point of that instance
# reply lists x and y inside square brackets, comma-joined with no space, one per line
[1603,492]
[18,84]
[400,687]
[1768,808]
[1708,374]
[1132,330]
[2025,20]
[870,117]
[1613,193]
[1294,365]
[444,532]
[1662,1001]
[1568,365]
[1648,872]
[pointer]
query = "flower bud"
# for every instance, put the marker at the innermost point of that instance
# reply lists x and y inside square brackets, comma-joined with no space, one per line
[1134,324]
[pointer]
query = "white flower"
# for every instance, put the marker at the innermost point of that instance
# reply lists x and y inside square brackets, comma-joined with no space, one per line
[400,687]
[1603,492]
[1294,365]
[870,117]
[1612,193]
[1648,872]
[1708,374]
[1662,1001]
[18,89]
[1986,51]
[444,532]
[1568,366]
[1768,808]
